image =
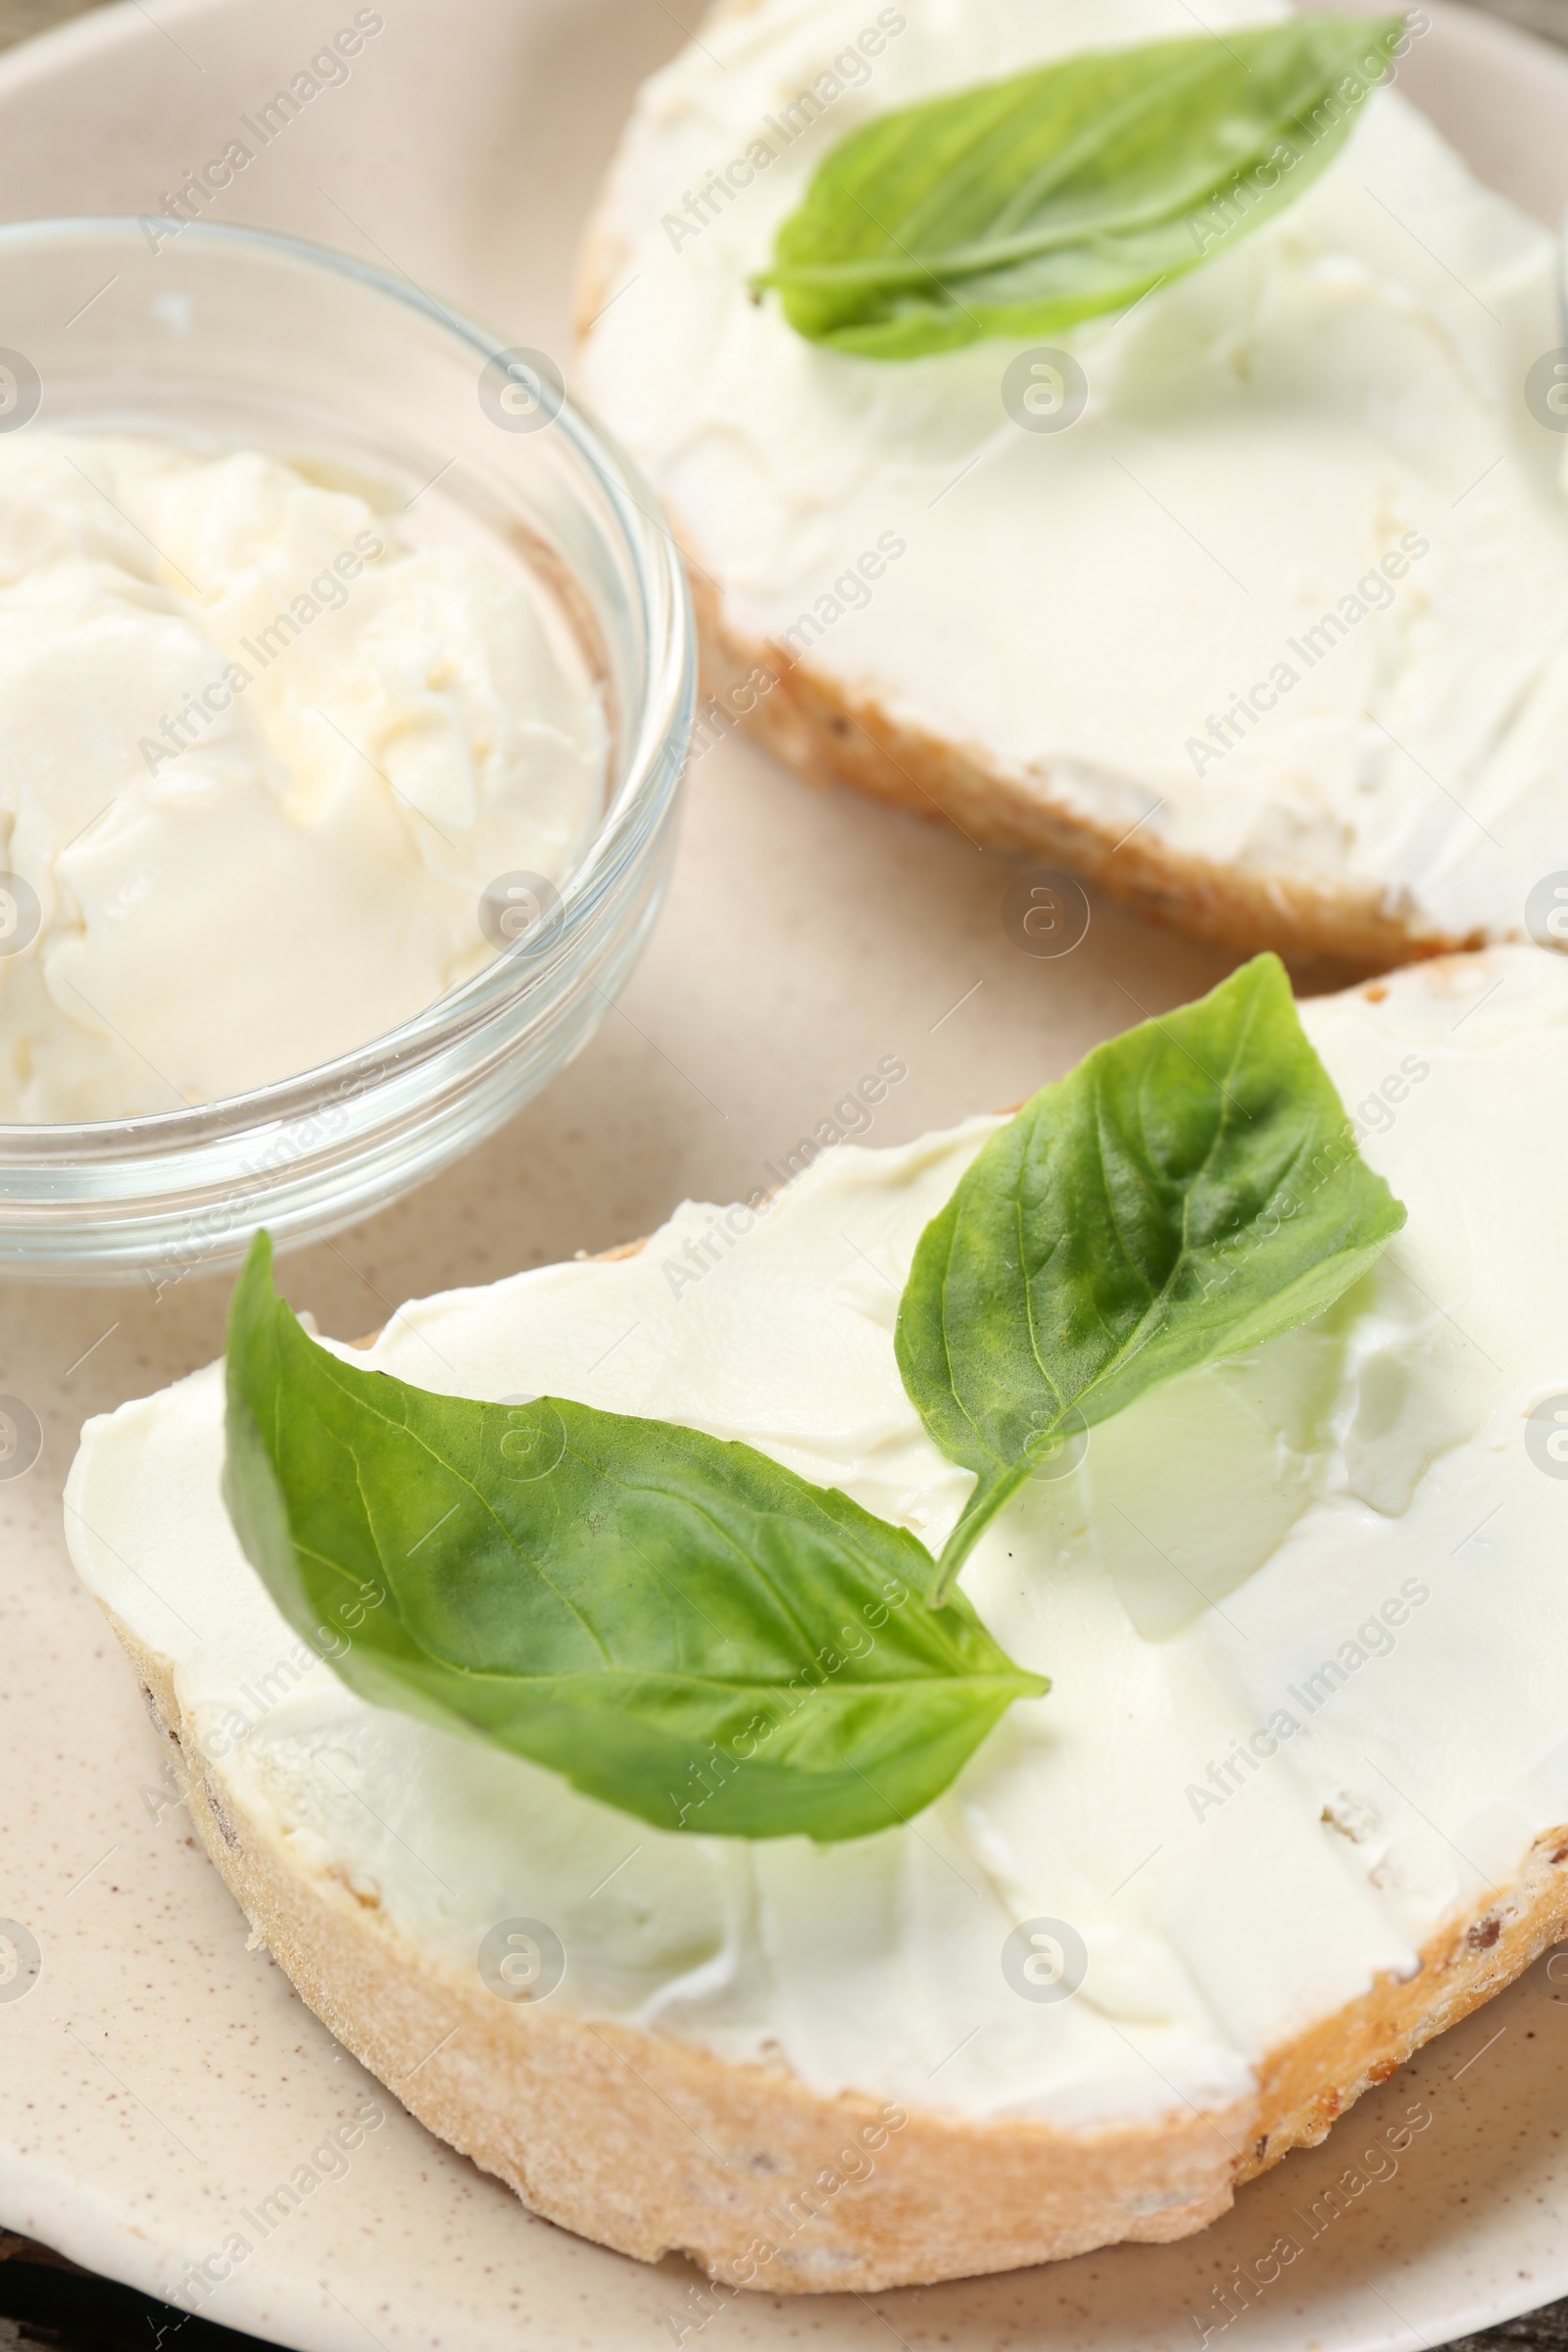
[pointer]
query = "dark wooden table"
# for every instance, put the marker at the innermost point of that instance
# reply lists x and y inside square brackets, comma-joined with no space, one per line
[46,2302]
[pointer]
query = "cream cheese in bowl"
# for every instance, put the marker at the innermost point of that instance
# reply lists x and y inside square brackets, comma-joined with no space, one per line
[345,673]
[264,754]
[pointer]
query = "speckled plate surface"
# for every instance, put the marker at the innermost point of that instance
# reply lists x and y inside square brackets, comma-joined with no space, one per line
[159,2077]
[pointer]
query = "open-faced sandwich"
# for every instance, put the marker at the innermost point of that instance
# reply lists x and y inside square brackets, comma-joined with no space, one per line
[941,1717]
[1139,440]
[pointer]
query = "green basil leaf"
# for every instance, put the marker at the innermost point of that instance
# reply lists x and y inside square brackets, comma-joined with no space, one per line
[1190,1190]
[678,1625]
[1021,206]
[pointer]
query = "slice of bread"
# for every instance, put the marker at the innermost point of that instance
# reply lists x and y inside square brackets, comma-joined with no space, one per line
[1224,645]
[649,2138]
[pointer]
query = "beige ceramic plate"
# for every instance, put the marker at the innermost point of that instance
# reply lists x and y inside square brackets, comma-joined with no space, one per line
[159,2079]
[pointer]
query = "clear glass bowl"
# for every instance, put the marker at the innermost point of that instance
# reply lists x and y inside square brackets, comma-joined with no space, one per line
[242,338]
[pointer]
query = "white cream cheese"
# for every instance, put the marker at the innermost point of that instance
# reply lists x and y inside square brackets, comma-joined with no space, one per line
[261,754]
[1291,591]
[1304,1614]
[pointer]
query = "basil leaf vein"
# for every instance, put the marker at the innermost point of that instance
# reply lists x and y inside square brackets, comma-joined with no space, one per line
[1022,206]
[1188,1191]
[677,1625]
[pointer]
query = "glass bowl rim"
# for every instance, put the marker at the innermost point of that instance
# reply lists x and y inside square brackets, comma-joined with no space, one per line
[664,598]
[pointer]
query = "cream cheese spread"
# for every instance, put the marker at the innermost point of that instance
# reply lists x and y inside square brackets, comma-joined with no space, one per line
[262,751]
[1304,1613]
[1290,592]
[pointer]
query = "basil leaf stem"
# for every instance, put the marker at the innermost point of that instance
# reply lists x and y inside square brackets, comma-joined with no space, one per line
[1192,1189]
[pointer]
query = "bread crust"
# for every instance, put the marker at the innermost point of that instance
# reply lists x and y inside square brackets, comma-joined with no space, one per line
[830,736]
[653,2145]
